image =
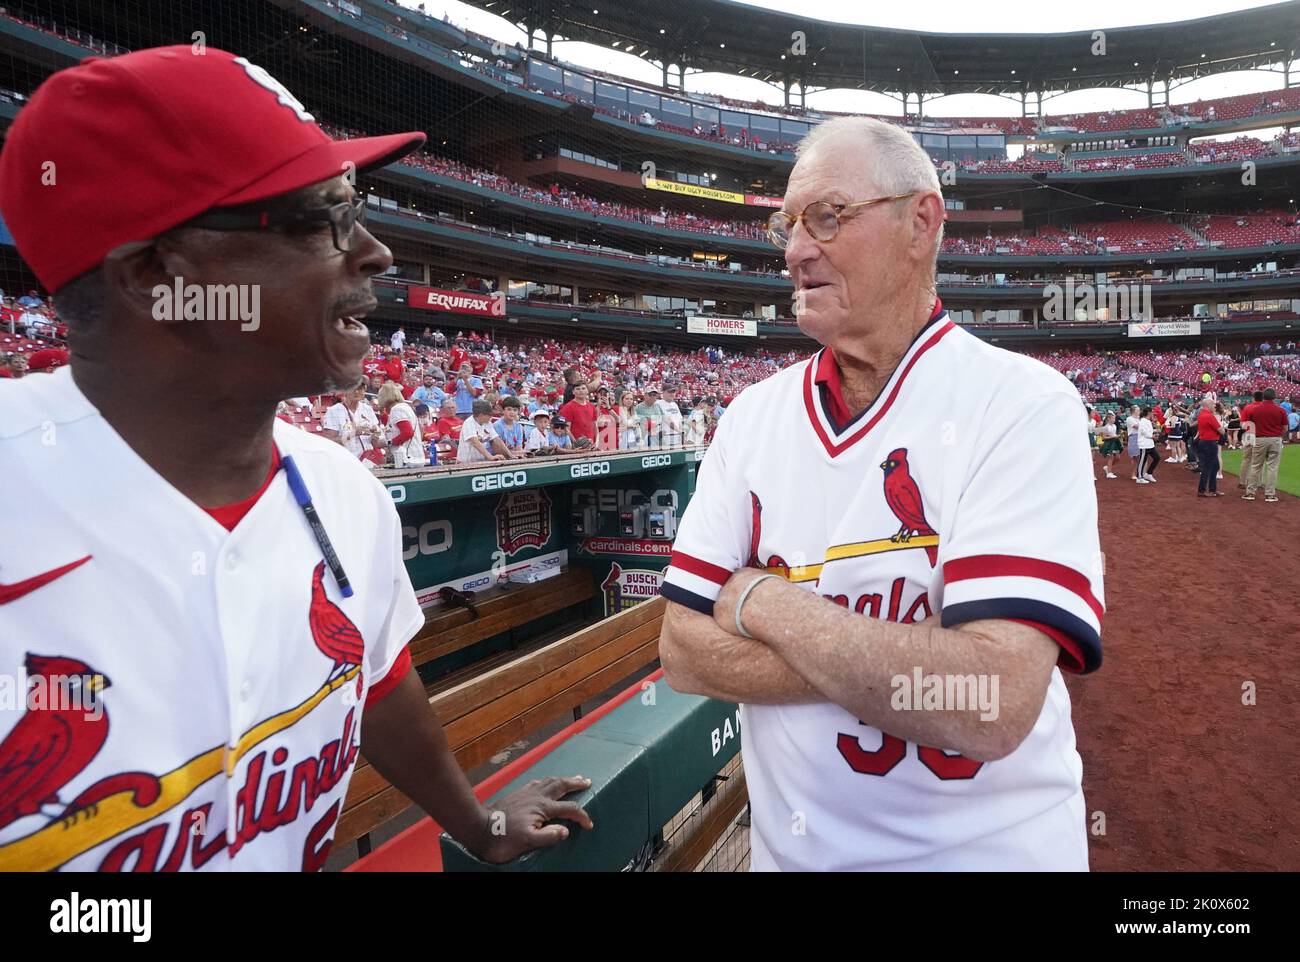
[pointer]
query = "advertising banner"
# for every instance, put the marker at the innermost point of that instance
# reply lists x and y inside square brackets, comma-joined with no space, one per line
[458,302]
[692,190]
[703,324]
[711,193]
[625,588]
[1165,329]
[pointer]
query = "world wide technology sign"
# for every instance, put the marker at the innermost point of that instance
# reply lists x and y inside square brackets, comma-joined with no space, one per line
[1165,329]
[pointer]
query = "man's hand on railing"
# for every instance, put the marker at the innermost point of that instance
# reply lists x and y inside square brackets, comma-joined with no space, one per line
[518,823]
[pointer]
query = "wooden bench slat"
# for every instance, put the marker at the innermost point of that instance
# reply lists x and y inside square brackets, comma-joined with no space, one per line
[436,646]
[491,711]
[455,629]
[383,801]
[542,686]
[470,672]
[488,744]
[359,819]
[444,618]
[479,690]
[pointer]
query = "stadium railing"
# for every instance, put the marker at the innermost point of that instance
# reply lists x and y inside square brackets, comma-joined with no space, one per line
[494,709]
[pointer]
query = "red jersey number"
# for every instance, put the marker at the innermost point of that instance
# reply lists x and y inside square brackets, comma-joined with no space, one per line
[892,749]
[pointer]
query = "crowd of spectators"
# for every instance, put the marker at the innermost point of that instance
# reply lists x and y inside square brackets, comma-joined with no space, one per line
[1171,157]
[537,396]
[550,396]
[31,335]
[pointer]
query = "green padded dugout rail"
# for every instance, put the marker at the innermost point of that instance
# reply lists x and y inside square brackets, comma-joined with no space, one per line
[646,759]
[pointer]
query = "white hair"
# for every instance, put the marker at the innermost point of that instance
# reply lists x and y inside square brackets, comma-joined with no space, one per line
[896,163]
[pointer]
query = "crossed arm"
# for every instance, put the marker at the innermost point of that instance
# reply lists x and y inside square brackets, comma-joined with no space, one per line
[809,649]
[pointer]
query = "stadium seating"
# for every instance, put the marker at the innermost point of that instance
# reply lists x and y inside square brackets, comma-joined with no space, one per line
[1188,368]
[1259,229]
[1241,106]
[1120,161]
[1231,151]
[1107,120]
[1139,236]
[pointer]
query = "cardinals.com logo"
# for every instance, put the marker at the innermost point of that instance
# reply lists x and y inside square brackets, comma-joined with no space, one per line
[903,497]
[52,744]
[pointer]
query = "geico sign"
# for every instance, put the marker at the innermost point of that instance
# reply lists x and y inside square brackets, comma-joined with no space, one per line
[432,537]
[589,470]
[656,460]
[495,482]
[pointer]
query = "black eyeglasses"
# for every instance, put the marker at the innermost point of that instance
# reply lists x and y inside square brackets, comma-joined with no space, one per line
[343,219]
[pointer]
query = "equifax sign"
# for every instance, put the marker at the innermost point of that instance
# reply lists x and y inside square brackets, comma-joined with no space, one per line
[458,302]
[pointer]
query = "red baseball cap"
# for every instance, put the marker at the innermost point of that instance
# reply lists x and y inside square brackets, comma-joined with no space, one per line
[47,357]
[122,149]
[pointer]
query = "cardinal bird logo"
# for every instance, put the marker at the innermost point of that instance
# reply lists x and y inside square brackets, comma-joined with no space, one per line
[333,631]
[775,563]
[755,530]
[50,747]
[904,499]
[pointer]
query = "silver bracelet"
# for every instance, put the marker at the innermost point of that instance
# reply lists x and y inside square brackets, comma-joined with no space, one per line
[740,603]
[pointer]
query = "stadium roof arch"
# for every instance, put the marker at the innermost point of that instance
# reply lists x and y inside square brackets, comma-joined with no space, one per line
[787,49]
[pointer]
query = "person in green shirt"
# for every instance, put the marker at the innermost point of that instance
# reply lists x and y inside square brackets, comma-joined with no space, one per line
[650,414]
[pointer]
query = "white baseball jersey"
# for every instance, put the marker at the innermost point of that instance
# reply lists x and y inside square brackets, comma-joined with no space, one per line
[965,488]
[349,423]
[413,449]
[187,697]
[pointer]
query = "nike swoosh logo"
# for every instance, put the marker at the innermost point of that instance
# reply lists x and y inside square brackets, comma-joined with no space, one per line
[16,590]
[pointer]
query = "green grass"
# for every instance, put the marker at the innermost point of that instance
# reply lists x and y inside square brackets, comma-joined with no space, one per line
[1288,472]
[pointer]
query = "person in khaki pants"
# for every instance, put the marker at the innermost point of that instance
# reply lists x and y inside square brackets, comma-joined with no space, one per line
[1248,442]
[1270,426]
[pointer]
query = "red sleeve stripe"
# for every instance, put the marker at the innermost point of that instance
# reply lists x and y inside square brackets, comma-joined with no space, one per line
[1071,659]
[701,569]
[381,689]
[1011,566]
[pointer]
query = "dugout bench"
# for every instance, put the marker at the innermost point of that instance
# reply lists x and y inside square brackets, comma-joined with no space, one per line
[649,751]
[529,654]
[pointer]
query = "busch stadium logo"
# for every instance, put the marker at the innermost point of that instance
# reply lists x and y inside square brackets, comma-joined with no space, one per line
[523,520]
[627,587]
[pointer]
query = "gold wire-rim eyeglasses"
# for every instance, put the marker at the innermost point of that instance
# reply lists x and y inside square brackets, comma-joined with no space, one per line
[780,224]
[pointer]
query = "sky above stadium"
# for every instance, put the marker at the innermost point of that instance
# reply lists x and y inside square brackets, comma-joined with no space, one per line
[957,16]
